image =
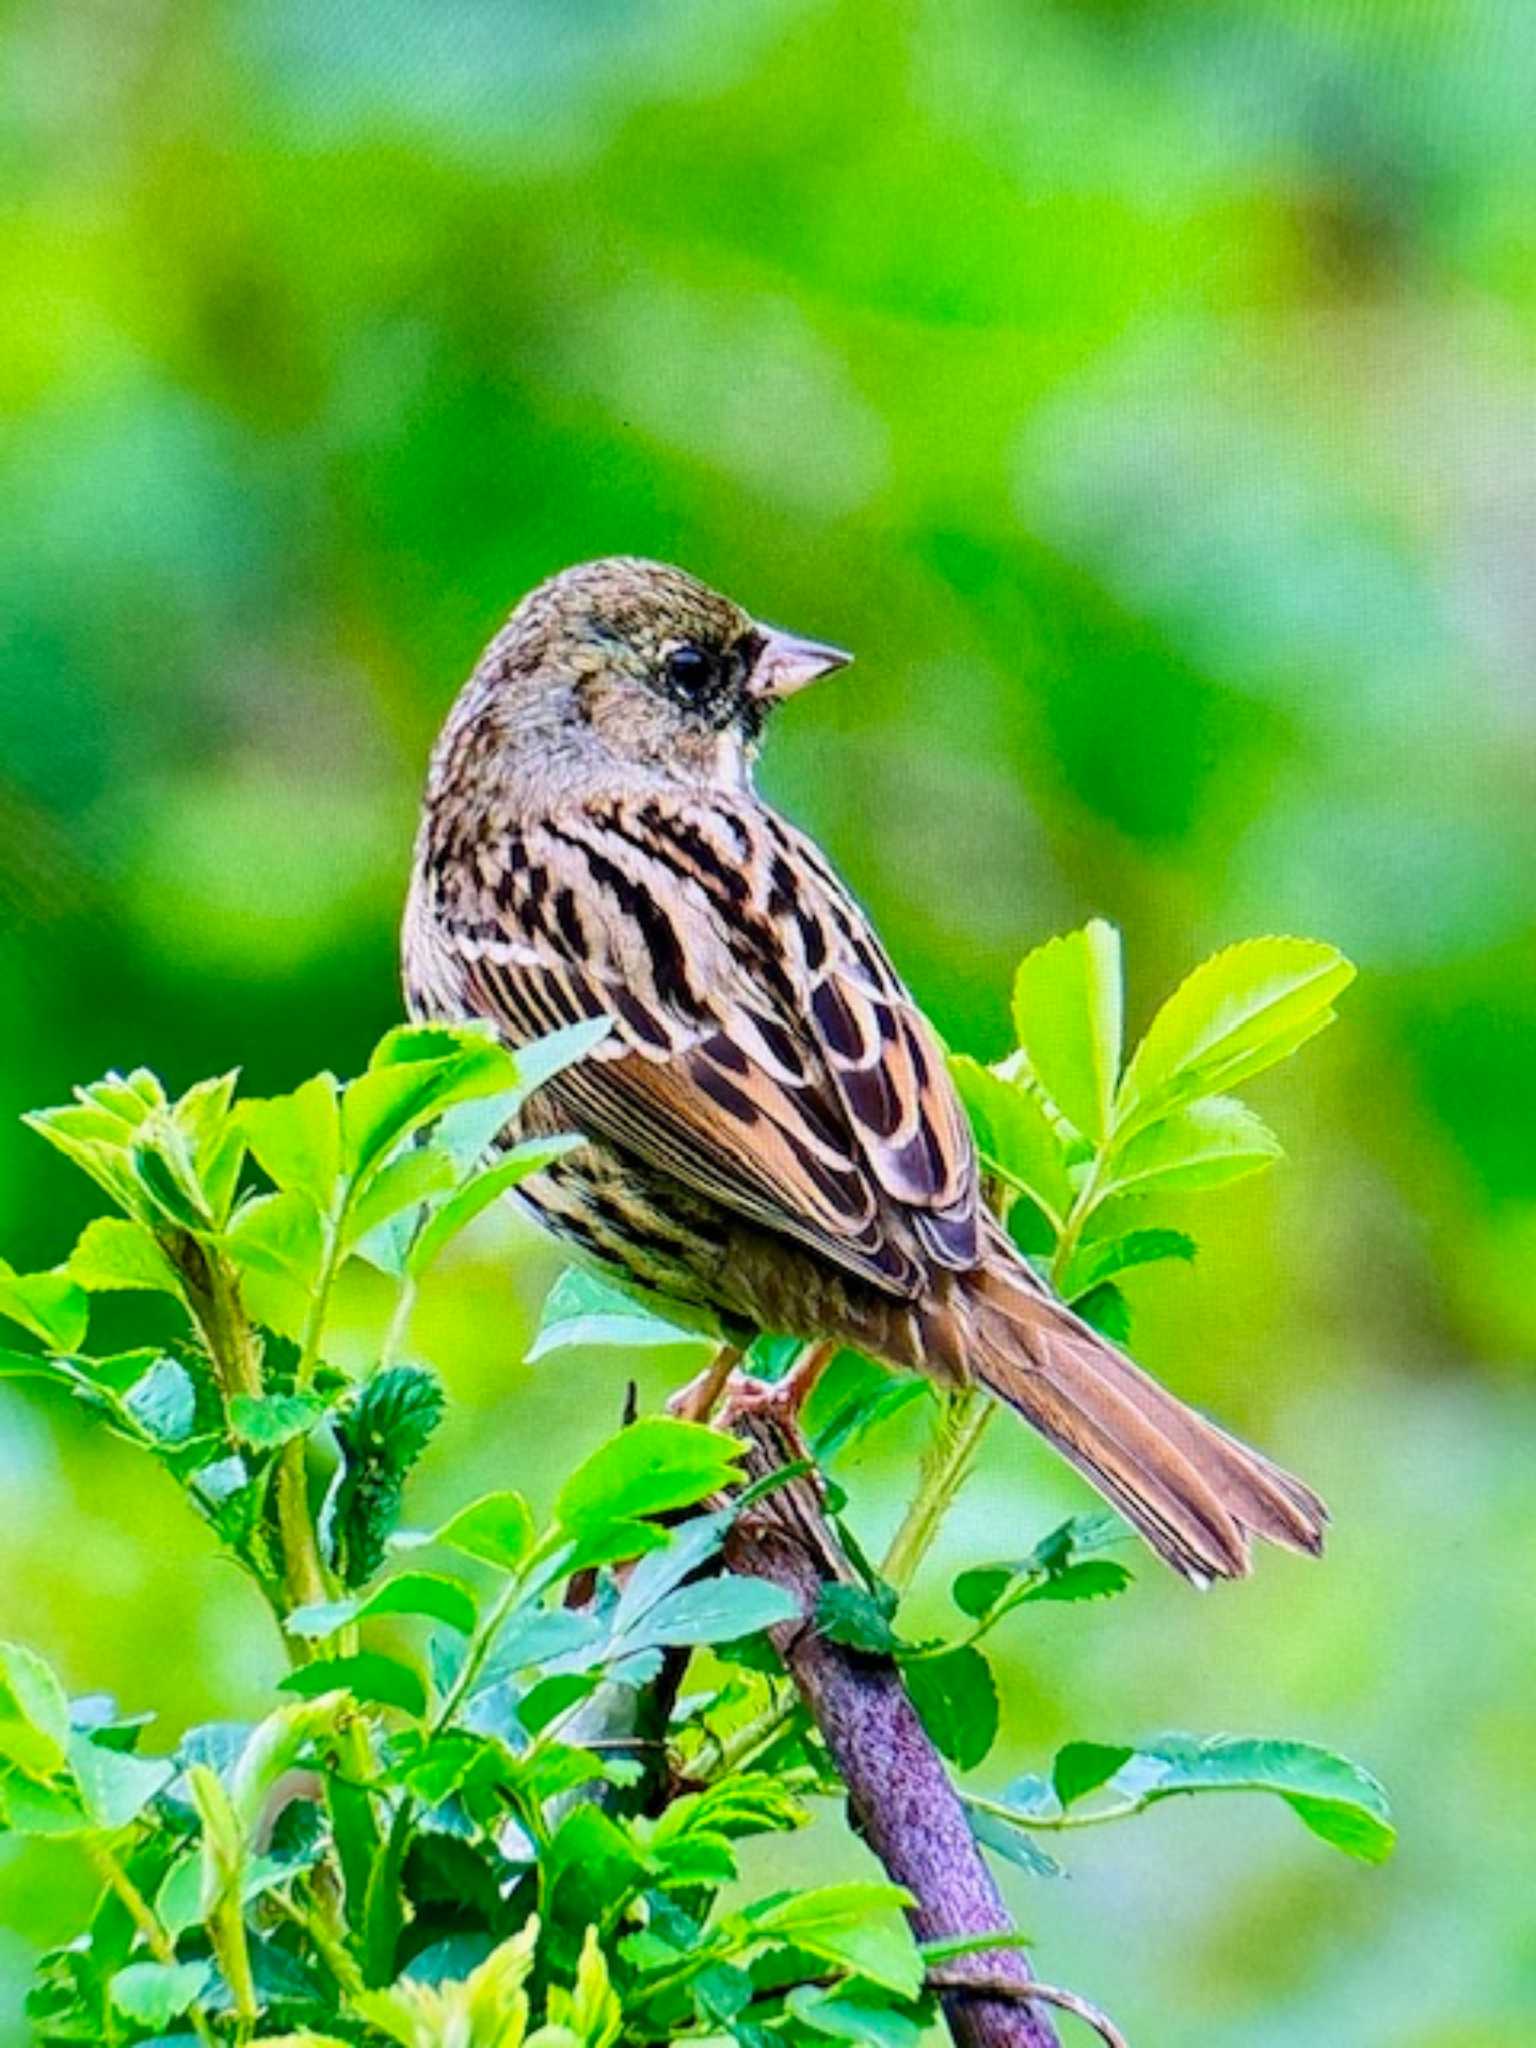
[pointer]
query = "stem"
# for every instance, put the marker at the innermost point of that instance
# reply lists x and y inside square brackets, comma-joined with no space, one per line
[900,1797]
[963,1421]
[142,1914]
[1055,1823]
[399,1322]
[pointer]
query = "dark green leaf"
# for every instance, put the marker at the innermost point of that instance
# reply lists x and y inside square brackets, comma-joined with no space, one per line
[1082,1767]
[380,1436]
[584,1311]
[713,1610]
[113,1252]
[657,1464]
[1091,1264]
[1067,1018]
[857,1617]
[956,1696]
[844,2018]
[154,1994]
[378,1680]
[1094,1579]
[266,1420]
[857,1926]
[297,1138]
[1105,1309]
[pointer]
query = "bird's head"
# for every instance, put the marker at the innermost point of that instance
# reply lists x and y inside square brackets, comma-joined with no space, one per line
[645,664]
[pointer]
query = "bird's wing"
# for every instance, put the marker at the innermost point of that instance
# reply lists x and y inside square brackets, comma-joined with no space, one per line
[764,1050]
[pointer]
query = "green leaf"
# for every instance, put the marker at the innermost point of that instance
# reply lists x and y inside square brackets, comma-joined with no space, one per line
[1067,1018]
[715,1610]
[51,1305]
[153,1994]
[477,1195]
[1202,1145]
[586,1311]
[115,1785]
[1095,1579]
[1014,1135]
[263,1421]
[853,2019]
[370,1677]
[422,1593]
[404,1182]
[414,1075]
[1082,1767]
[1104,1308]
[552,1054]
[34,1713]
[956,1697]
[164,1402]
[1009,1839]
[1236,1014]
[114,1253]
[1100,1260]
[853,1397]
[1335,1798]
[656,1464]
[855,1925]
[498,1529]
[280,1234]
[297,1138]
[854,1616]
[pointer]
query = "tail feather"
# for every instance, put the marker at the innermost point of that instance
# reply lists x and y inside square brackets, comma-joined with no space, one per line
[1197,1494]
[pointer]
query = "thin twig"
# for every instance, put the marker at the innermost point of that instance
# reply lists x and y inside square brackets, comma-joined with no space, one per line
[1046,1994]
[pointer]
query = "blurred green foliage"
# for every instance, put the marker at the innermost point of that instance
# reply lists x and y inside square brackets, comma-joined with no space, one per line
[1145,391]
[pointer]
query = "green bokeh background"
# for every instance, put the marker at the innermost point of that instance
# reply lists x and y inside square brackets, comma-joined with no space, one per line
[1147,392]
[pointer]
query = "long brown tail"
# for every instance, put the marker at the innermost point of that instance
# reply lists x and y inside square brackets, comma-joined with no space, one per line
[1195,1493]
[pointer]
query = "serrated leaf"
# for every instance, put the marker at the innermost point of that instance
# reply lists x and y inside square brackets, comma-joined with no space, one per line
[994,1831]
[297,1138]
[34,1712]
[1082,1767]
[498,1528]
[477,1194]
[956,1697]
[368,1676]
[853,1616]
[51,1305]
[153,1994]
[586,1311]
[429,1594]
[656,1464]
[1104,1308]
[115,1785]
[402,1183]
[1204,1144]
[1067,1018]
[1095,1578]
[715,1610]
[1014,1135]
[280,1234]
[164,1402]
[114,1252]
[845,2018]
[1335,1798]
[415,1074]
[855,1925]
[1236,1014]
[380,1436]
[1100,1260]
[263,1421]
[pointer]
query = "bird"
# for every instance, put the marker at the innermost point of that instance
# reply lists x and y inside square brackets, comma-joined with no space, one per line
[768,1127]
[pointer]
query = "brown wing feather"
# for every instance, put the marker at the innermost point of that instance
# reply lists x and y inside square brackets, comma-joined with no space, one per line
[764,1051]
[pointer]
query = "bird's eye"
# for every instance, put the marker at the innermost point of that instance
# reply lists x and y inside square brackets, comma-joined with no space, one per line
[690,670]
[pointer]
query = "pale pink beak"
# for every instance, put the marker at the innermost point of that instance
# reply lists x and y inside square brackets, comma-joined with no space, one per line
[787,663]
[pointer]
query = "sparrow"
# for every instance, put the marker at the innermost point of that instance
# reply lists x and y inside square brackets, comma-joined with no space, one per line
[768,1126]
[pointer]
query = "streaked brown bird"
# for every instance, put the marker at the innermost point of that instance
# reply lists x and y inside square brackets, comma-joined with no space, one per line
[770,1126]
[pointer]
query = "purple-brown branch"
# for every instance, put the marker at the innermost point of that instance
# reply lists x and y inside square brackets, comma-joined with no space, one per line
[900,1797]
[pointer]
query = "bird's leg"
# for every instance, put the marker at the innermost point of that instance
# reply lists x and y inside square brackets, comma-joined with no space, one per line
[787,1396]
[696,1401]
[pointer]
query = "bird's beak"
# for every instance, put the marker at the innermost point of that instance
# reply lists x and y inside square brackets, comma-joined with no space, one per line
[787,663]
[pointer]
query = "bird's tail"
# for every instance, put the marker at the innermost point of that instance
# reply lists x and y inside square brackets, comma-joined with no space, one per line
[1196,1494]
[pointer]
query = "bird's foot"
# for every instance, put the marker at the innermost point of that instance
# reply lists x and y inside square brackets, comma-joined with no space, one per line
[781,1400]
[696,1402]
